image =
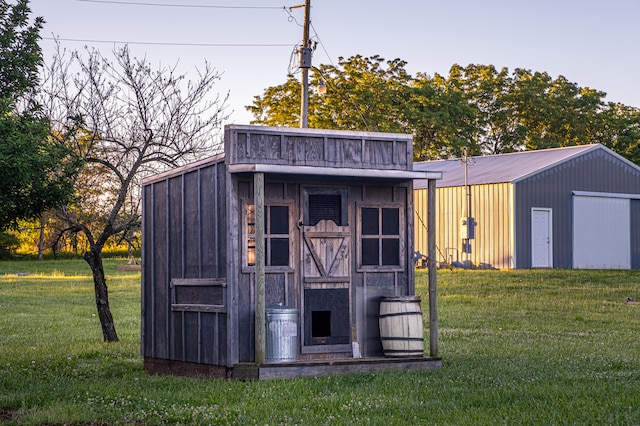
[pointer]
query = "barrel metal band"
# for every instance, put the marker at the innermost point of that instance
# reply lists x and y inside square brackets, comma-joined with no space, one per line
[413,339]
[400,314]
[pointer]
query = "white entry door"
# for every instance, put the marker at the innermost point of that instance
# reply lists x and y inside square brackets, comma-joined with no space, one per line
[541,241]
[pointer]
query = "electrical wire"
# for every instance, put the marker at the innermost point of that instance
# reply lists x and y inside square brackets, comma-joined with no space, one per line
[321,44]
[135,3]
[152,43]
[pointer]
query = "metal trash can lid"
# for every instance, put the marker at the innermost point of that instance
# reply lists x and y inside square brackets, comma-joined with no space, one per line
[280,308]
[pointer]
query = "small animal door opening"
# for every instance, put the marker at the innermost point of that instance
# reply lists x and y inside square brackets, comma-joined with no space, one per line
[327,317]
[320,324]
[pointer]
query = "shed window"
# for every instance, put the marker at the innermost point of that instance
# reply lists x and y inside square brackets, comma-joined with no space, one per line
[380,236]
[276,235]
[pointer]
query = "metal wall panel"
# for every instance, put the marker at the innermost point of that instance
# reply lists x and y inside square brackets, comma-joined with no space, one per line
[492,246]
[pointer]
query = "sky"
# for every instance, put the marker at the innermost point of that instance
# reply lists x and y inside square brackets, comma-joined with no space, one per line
[250,42]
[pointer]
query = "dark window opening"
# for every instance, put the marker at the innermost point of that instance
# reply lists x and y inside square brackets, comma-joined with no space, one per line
[390,221]
[370,251]
[279,252]
[278,220]
[320,323]
[380,236]
[391,251]
[370,222]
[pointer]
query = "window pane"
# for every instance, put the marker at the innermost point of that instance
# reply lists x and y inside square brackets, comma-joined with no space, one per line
[279,218]
[325,207]
[390,221]
[370,251]
[391,251]
[279,252]
[251,219]
[251,251]
[370,222]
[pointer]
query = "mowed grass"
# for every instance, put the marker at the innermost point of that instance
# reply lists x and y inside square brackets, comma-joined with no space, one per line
[526,347]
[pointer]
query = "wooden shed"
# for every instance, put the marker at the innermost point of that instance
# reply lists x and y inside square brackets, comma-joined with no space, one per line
[573,207]
[318,223]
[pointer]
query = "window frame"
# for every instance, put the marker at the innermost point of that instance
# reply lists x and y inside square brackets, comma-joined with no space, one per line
[246,267]
[401,237]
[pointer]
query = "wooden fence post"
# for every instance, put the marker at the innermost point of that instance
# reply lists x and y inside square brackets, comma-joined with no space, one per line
[258,200]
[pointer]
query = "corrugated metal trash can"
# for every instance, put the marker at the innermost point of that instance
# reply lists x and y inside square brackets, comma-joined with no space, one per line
[281,338]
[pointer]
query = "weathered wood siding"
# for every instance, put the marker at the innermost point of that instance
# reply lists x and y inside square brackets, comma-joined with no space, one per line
[184,305]
[321,148]
[284,284]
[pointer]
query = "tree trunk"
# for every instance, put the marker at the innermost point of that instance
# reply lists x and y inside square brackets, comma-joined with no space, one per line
[41,238]
[94,259]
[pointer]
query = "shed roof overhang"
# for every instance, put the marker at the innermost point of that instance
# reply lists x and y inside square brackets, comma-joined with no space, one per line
[333,171]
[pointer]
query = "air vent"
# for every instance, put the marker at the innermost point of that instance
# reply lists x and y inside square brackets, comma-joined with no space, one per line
[325,207]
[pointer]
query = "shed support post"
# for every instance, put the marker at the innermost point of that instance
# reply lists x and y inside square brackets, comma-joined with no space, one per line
[258,200]
[432,256]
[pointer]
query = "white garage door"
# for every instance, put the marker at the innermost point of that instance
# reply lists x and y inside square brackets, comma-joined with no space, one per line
[601,232]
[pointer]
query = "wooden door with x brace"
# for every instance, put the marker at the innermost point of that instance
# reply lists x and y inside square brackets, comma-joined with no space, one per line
[326,271]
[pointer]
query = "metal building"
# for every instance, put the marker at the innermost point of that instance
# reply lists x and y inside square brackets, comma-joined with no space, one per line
[574,207]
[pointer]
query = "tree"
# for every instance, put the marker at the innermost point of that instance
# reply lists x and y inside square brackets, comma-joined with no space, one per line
[363,94]
[126,121]
[620,130]
[443,122]
[372,94]
[37,170]
[485,109]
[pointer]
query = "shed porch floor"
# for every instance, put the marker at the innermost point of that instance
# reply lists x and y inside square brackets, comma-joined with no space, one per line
[287,370]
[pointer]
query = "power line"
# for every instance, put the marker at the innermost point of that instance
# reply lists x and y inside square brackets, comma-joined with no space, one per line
[135,3]
[169,43]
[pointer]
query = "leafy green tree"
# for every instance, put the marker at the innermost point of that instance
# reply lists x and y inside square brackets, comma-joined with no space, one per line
[479,107]
[279,105]
[489,92]
[442,120]
[363,94]
[37,170]
[372,94]
[620,130]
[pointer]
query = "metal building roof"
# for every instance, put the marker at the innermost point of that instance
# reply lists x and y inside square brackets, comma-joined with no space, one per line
[502,168]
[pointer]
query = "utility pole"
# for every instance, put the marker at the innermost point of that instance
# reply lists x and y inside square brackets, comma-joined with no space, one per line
[305,64]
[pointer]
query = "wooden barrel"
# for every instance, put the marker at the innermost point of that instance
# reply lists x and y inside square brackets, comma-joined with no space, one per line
[401,328]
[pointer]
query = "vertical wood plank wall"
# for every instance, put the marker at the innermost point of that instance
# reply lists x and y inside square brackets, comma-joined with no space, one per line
[184,217]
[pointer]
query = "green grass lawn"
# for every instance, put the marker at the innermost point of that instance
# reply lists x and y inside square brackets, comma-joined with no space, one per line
[528,347]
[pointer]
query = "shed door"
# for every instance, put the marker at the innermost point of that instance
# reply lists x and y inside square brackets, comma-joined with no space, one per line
[601,232]
[326,271]
[541,243]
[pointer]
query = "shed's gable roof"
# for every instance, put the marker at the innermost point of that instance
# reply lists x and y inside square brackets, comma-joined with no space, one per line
[506,168]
